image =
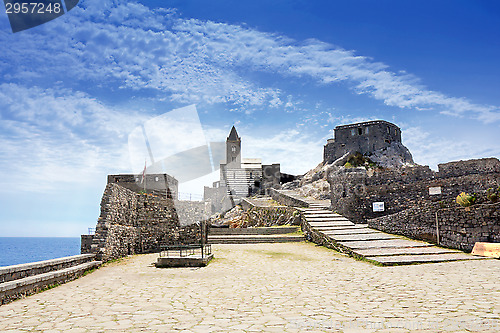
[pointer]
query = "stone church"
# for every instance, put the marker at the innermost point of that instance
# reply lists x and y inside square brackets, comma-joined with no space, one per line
[241,177]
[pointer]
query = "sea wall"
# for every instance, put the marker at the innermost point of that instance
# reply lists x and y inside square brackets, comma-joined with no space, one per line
[133,223]
[458,227]
[19,280]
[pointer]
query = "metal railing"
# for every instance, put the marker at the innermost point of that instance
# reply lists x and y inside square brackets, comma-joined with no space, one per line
[185,250]
[190,196]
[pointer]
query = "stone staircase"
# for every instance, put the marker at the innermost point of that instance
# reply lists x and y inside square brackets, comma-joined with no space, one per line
[325,227]
[254,235]
[24,279]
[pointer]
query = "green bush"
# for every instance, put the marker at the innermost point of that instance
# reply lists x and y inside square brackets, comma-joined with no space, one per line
[493,195]
[466,199]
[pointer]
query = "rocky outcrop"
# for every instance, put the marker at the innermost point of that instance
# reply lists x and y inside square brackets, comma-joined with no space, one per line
[394,156]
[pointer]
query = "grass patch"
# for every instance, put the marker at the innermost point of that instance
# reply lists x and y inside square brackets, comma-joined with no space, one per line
[89,271]
[297,232]
[114,261]
[50,286]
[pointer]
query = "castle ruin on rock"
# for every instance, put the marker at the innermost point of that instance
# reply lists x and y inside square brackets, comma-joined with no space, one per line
[376,139]
[398,196]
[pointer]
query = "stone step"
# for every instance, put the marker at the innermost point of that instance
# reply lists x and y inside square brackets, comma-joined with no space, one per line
[424,258]
[253,231]
[404,251]
[372,244]
[329,218]
[330,224]
[360,237]
[40,281]
[248,239]
[390,243]
[314,212]
[325,218]
[345,230]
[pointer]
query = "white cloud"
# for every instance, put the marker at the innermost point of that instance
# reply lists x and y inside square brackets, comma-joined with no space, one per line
[53,137]
[195,61]
[297,152]
[431,149]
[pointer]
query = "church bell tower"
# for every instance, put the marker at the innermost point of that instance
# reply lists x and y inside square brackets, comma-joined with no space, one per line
[233,150]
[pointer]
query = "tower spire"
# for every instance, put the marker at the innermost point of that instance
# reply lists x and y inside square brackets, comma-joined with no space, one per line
[233,135]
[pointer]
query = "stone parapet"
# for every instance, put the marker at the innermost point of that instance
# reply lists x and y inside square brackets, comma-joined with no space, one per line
[19,280]
[285,198]
[457,227]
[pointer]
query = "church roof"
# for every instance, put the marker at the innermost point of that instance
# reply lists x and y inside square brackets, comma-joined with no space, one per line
[233,136]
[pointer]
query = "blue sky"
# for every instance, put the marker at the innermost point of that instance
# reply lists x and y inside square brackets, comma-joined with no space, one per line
[284,72]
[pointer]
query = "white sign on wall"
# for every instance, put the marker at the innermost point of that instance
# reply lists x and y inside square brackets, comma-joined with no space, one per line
[378,207]
[435,190]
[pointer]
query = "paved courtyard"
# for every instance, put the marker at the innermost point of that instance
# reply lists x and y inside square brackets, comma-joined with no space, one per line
[288,287]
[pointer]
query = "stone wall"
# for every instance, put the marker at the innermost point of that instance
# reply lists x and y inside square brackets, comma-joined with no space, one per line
[258,214]
[355,190]
[272,216]
[287,199]
[190,212]
[132,223]
[161,183]
[461,168]
[86,243]
[458,228]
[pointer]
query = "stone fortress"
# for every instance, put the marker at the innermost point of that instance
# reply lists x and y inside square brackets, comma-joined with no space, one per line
[414,197]
[371,138]
[365,165]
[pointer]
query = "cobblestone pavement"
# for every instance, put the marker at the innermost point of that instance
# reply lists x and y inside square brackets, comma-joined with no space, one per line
[288,287]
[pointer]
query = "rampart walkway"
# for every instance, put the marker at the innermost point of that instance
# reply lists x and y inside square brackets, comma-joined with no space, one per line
[286,287]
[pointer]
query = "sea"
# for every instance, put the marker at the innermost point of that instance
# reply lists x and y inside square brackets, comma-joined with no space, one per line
[21,250]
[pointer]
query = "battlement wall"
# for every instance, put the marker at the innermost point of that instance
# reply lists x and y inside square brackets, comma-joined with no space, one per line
[151,182]
[462,168]
[355,190]
[458,228]
[132,223]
